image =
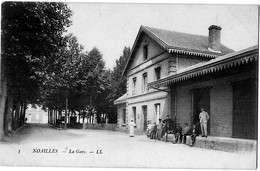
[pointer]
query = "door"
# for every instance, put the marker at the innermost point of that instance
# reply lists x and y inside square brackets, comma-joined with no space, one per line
[245,110]
[144,117]
[201,99]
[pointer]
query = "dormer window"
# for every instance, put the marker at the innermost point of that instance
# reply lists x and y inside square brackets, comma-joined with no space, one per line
[145,51]
[157,73]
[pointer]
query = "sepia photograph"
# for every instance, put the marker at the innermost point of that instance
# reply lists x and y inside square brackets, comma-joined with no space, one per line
[129,85]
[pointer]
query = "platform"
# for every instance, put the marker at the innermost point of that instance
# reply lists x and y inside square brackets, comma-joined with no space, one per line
[227,144]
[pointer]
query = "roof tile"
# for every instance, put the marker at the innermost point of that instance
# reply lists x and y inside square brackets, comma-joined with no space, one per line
[184,40]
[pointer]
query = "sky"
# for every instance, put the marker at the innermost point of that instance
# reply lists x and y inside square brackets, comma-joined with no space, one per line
[112,26]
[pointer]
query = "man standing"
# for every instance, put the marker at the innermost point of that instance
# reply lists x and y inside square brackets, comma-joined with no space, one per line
[159,128]
[204,117]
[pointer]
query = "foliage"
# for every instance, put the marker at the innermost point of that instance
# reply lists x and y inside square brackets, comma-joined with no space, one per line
[45,67]
[118,81]
[31,36]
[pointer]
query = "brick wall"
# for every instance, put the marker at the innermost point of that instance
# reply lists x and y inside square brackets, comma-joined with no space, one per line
[221,110]
[184,61]
[221,97]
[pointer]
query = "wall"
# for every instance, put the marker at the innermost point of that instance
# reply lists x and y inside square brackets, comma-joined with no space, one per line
[121,125]
[149,100]
[153,50]
[221,110]
[183,105]
[108,127]
[221,97]
[156,57]
[185,61]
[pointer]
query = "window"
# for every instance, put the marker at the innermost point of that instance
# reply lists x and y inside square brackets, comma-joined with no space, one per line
[144,82]
[124,115]
[134,85]
[134,114]
[157,73]
[157,111]
[145,51]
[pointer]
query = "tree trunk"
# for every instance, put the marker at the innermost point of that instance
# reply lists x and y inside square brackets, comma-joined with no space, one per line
[17,112]
[13,115]
[3,96]
[66,113]
[55,117]
[79,117]
[21,114]
[23,111]
[9,113]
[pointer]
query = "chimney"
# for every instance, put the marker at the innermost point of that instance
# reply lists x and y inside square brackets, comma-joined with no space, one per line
[214,38]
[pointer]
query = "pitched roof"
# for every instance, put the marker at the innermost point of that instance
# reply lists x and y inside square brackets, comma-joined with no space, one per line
[213,65]
[184,40]
[178,42]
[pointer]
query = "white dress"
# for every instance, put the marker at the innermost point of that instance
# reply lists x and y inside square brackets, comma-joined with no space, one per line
[131,126]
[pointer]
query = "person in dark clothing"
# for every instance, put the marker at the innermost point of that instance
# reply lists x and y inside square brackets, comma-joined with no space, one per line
[187,131]
[193,135]
[168,123]
[178,133]
[168,126]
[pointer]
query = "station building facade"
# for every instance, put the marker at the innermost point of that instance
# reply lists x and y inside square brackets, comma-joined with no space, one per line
[158,54]
[226,87]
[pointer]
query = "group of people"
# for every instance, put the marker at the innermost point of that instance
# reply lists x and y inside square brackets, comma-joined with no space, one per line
[167,126]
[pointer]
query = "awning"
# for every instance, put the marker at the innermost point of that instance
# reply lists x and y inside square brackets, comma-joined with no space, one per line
[214,65]
[121,99]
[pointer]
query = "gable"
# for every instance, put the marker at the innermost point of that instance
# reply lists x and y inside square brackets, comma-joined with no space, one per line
[153,50]
[171,41]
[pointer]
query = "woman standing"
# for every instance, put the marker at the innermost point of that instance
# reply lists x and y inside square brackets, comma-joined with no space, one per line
[131,126]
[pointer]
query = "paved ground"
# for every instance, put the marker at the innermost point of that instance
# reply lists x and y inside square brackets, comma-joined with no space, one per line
[41,145]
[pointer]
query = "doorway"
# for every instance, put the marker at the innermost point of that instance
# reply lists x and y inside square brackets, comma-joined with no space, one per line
[245,109]
[144,117]
[201,98]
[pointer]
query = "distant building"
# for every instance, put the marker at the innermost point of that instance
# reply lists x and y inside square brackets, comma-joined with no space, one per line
[36,115]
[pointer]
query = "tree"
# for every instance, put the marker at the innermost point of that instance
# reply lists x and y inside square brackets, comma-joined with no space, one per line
[115,86]
[118,81]
[32,34]
[65,76]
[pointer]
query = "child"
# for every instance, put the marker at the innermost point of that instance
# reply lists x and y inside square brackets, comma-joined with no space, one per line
[149,129]
[154,131]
